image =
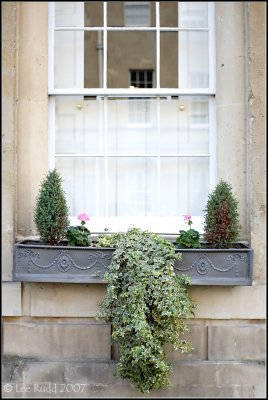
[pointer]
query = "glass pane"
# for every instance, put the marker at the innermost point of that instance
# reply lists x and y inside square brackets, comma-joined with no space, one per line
[184,185]
[78,59]
[169,14]
[93,67]
[193,14]
[79,126]
[83,183]
[93,13]
[193,60]
[132,127]
[132,186]
[169,60]
[184,126]
[69,13]
[69,59]
[131,13]
[79,13]
[128,51]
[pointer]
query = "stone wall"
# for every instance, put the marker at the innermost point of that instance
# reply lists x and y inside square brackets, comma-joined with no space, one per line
[52,344]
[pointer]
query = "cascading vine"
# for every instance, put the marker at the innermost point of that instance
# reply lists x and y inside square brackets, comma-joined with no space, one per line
[147,304]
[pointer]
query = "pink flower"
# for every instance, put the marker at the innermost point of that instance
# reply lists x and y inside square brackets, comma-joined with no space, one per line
[187,217]
[83,217]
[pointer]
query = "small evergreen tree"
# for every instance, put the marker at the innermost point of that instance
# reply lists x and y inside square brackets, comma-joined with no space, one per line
[51,211]
[221,225]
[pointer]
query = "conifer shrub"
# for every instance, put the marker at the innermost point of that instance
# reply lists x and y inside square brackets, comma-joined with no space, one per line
[221,225]
[51,210]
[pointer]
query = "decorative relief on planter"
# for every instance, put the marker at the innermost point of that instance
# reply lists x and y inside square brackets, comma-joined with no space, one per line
[60,263]
[35,262]
[217,266]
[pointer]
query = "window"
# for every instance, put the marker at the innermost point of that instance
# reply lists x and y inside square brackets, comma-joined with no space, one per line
[141,79]
[137,13]
[131,88]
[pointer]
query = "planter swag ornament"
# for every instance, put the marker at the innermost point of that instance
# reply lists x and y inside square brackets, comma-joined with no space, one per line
[35,262]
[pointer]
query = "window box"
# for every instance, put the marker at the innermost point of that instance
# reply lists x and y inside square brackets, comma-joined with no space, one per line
[36,262]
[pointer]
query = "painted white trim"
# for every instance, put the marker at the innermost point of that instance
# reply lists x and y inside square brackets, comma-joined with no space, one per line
[130,92]
[157,45]
[51,133]
[212,47]
[105,49]
[212,143]
[51,24]
[125,29]
[129,155]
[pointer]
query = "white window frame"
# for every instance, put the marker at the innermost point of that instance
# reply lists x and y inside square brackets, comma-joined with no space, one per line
[118,223]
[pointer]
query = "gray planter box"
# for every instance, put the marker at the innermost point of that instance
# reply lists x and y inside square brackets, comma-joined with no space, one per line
[217,266]
[36,262]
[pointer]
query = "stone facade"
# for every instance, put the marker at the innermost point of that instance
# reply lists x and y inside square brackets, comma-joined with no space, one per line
[51,340]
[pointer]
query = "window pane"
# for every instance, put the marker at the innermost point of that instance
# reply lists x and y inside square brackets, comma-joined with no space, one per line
[131,13]
[93,68]
[72,13]
[169,14]
[193,14]
[169,59]
[132,127]
[78,59]
[93,13]
[79,126]
[132,186]
[128,51]
[184,185]
[69,59]
[83,183]
[69,13]
[193,60]
[184,126]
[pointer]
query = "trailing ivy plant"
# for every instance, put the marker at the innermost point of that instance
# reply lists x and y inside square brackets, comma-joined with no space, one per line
[221,223]
[147,304]
[51,210]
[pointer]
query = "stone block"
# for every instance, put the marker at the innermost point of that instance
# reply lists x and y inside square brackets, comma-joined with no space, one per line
[197,336]
[200,379]
[66,300]
[229,302]
[11,297]
[234,342]
[57,341]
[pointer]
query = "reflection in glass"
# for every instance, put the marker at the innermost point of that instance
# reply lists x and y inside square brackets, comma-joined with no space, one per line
[79,125]
[132,186]
[169,59]
[147,172]
[130,13]
[184,185]
[78,13]
[169,14]
[83,183]
[132,127]
[184,126]
[128,51]
[193,60]
[193,14]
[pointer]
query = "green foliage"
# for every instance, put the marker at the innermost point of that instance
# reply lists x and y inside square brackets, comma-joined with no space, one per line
[51,210]
[146,303]
[189,239]
[78,236]
[221,225]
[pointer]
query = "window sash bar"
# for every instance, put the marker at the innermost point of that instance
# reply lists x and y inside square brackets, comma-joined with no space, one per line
[132,92]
